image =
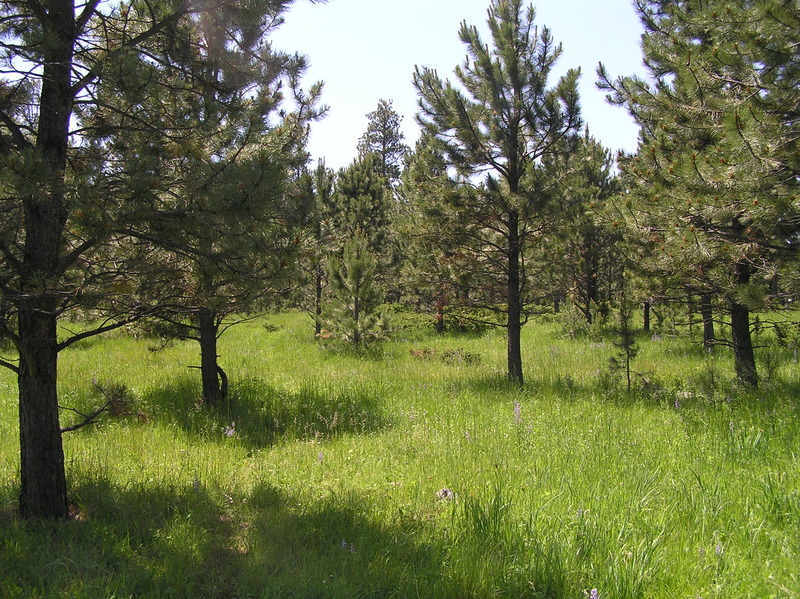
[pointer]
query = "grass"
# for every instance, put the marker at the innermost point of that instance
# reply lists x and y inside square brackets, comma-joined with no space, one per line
[324,475]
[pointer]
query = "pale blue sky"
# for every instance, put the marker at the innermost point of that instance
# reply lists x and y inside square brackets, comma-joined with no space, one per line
[365,50]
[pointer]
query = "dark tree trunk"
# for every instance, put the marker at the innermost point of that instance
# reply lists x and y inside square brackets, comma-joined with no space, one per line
[707,313]
[440,315]
[357,316]
[514,322]
[646,317]
[318,301]
[743,357]
[43,491]
[589,275]
[209,369]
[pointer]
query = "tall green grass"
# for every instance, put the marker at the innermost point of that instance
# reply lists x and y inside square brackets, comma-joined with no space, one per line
[415,470]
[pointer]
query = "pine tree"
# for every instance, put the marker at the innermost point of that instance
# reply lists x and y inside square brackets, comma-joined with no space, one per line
[433,274]
[625,337]
[353,313]
[230,151]
[384,139]
[361,206]
[316,190]
[64,242]
[495,134]
[717,168]
[583,255]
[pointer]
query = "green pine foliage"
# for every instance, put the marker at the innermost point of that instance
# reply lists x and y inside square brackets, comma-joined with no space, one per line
[582,259]
[384,139]
[494,129]
[353,313]
[715,179]
[361,204]
[624,338]
[230,138]
[119,127]
[314,190]
[435,273]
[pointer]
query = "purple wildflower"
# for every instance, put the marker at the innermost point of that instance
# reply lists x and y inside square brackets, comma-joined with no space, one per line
[517,412]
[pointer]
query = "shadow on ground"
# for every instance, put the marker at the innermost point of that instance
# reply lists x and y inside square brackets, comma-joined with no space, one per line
[200,542]
[259,414]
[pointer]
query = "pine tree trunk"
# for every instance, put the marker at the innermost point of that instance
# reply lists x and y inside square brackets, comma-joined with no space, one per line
[707,313]
[440,315]
[590,276]
[209,369]
[514,322]
[743,357]
[43,491]
[357,316]
[318,301]
[646,317]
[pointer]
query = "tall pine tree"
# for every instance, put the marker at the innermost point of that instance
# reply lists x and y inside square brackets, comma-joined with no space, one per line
[384,139]
[494,130]
[315,189]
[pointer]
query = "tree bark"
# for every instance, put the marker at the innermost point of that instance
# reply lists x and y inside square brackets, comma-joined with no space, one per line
[707,313]
[440,315]
[514,322]
[646,317]
[589,276]
[318,300]
[209,369]
[743,357]
[43,490]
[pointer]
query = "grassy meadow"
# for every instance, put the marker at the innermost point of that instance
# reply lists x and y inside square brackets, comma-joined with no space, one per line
[415,470]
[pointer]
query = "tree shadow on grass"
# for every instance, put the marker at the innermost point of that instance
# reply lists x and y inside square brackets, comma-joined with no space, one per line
[165,541]
[499,387]
[259,415]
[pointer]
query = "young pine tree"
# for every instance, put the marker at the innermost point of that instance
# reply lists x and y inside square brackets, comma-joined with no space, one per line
[353,313]
[625,339]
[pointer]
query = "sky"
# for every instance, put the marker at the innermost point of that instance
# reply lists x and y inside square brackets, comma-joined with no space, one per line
[366,50]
